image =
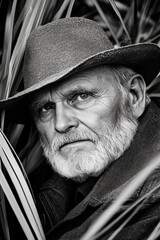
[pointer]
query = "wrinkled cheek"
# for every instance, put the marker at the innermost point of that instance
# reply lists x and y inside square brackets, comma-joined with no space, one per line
[46,131]
[49,137]
[90,120]
[95,120]
[112,117]
[45,139]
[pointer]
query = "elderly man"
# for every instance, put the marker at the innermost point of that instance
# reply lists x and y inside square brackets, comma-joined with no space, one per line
[98,128]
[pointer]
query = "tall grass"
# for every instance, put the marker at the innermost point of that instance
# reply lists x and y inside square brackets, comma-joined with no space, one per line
[125,23]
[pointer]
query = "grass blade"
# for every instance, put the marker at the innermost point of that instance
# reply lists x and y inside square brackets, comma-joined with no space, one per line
[15,207]
[20,47]
[103,16]
[125,222]
[61,10]
[70,8]
[120,18]
[3,216]
[8,39]
[17,176]
[156,232]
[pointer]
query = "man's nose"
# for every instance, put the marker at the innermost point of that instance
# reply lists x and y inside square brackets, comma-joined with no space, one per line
[65,119]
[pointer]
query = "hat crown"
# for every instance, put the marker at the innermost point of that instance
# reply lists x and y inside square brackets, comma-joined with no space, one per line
[61,45]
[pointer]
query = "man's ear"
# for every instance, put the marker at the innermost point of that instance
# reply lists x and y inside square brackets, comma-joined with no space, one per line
[137,89]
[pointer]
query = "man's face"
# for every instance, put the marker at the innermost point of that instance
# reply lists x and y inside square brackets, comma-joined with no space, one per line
[83,123]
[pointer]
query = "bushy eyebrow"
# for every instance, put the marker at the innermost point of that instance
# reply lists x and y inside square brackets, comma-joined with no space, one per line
[77,90]
[41,101]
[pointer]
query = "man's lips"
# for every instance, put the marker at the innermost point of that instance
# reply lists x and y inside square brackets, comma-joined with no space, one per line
[75,142]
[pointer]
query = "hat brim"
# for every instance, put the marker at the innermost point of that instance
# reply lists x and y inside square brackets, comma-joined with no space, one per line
[142,58]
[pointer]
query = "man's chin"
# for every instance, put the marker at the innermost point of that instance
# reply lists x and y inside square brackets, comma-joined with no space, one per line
[78,172]
[80,177]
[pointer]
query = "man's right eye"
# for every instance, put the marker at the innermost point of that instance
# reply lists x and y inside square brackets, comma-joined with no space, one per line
[46,110]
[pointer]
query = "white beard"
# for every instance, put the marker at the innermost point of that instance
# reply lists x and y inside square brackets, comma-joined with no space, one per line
[110,144]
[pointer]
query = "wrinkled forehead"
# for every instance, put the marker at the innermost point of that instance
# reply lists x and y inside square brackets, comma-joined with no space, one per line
[89,79]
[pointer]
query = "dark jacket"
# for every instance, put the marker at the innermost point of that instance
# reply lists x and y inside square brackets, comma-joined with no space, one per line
[145,146]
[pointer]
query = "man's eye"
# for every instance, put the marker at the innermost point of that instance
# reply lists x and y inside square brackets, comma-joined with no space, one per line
[46,109]
[82,100]
[82,96]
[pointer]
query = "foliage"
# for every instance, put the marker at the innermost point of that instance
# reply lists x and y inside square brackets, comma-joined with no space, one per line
[125,22]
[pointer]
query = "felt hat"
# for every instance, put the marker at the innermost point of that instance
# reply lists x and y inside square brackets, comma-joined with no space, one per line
[67,46]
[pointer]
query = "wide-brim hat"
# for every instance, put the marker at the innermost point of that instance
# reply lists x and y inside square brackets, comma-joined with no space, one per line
[67,46]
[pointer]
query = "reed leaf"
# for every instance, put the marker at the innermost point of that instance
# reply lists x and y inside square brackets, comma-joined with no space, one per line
[8,40]
[154,95]
[49,11]
[10,196]
[120,18]
[3,215]
[103,16]
[155,233]
[61,10]
[20,19]
[41,6]
[4,73]
[128,21]
[69,11]
[20,46]
[17,174]
[115,233]
[147,26]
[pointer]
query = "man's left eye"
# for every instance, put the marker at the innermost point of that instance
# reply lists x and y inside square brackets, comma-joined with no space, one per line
[82,100]
[82,96]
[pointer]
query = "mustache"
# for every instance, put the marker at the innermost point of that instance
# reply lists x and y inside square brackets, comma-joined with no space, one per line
[62,140]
